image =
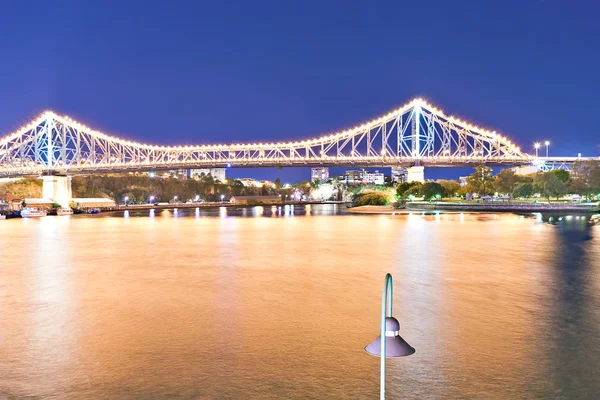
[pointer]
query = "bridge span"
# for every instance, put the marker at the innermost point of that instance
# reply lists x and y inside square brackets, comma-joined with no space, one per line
[415,135]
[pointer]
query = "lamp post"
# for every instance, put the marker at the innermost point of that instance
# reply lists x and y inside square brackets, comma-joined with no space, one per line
[393,345]
[537,147]
[222,197]
[547,143]
[151,199]
[126,199]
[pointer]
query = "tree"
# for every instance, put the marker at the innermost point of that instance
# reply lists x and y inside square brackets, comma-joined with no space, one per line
[548,184]
[432,190]
[585,178]
[371,199]
[405,186]
[482,181]
[523,190]
[413,191]
[561,174]
[277,183]
[451,188]
[506,181]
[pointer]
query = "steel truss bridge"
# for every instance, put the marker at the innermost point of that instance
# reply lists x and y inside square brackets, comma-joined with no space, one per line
[416,134]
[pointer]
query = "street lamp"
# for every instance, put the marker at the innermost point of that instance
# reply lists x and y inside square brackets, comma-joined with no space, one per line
[537,147]
[126,199]
[151,199]
[222,197]
[547,143]
[393,345]
[197,197]
[174,198]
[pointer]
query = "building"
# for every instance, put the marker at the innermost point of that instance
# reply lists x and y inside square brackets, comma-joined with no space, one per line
[353,176]
[399,175]
[526,169]
[216,173]
[320,174]
[360,176]
[377,178]
[249,182]
[255,200]
[462,180]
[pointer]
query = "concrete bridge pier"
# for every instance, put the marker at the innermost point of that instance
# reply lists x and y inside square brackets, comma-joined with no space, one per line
[416,174]
[58,189]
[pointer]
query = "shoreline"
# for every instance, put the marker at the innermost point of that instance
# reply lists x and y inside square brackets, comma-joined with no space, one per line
[473,208]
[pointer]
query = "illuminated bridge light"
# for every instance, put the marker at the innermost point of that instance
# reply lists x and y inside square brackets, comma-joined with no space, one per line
[357,144]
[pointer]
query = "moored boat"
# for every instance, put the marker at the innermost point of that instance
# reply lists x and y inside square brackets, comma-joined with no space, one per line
[32,212]
[64,211]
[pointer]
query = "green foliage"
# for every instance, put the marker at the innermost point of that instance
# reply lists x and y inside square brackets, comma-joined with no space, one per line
[432,190]
[561,174]
[450,187]
[414,191]
[21,189]
[139,188]
[371,199]
[585,178]
[404,187]
[55,205]
[523,190]
[506,181]
[549,185]
[482,181]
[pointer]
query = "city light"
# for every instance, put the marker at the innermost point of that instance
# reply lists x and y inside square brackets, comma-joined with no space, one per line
[153,155]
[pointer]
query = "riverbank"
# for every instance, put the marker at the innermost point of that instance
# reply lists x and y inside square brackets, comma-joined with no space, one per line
[504,207]
[215,204]
[474,208]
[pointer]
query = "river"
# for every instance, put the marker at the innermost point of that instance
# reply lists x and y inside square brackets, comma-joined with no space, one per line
[279,303]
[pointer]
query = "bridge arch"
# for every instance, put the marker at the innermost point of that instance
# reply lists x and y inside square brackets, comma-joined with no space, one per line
[416,133]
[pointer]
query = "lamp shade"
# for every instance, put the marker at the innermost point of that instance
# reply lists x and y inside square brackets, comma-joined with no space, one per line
[395,346]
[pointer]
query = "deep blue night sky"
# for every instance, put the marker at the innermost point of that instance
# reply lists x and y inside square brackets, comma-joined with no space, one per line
[214,71]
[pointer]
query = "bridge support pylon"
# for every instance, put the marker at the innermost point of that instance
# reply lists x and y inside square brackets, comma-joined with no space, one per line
[416,174]
[58,189]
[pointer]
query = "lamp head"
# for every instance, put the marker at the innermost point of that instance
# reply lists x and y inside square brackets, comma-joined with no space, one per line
[395,345]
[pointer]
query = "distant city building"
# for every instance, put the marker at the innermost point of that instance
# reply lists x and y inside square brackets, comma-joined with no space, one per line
[399,175]
[526,169]
[319,174]
[463,180]
[216,173]
[249,182]
[360,176]
[173,173]
[377,178]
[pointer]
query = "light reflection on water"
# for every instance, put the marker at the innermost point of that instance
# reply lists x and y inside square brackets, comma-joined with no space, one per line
[279,302]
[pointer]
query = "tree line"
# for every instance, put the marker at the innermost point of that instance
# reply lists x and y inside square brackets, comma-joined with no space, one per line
[139,189]
[583,180]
